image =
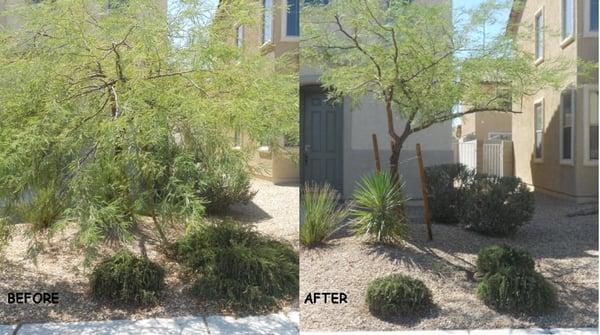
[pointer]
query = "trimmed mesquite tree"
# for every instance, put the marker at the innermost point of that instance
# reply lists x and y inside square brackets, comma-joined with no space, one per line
[419,61]
[107,114]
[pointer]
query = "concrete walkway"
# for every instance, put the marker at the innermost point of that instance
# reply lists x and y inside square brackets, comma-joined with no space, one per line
[285,324]
[506,331]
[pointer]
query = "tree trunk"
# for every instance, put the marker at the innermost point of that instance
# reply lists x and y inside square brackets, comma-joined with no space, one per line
[396,147]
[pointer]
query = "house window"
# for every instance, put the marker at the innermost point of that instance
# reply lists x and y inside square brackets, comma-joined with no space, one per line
[239,36]
[590,15]
[591,125]
[567,19]
[567,126]
[539,129]
[293,18]
[267,31]
[539,35]
[593,15]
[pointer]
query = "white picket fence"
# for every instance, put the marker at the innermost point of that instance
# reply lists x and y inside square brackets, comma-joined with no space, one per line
[467,154]
[495,158]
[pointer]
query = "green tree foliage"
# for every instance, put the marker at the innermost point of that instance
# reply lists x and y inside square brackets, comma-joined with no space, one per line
[420,60]
[107,112]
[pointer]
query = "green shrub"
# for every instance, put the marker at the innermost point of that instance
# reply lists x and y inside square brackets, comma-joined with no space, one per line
[126,278]
[239,267]
[224,181]
[510,282]
[493,259]
[446,185]
[512,289]
[321,214]
[397,295]
[496,206]
[379,208]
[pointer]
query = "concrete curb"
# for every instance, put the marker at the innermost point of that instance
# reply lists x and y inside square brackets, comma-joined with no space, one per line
[506,331]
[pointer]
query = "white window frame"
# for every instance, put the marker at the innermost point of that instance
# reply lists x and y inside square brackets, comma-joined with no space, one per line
[263,38]
[570,161]
[284,11]
[541,158]
[586,125]
[240,29]
[586,20]
[570,38]
[540,12]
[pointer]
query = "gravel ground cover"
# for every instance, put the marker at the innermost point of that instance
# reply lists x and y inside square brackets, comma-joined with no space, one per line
[273,211]
[562,237]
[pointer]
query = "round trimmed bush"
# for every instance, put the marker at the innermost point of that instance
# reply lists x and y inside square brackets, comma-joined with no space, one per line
[514,290]
[126,278]
[397,295]
[238,267]
[446,185]
[493,259]
[496,206]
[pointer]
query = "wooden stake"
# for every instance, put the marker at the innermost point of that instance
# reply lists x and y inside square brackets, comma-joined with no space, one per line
[424,191]
[376,153]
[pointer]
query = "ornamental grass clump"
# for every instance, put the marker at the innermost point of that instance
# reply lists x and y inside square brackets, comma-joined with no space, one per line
[127,278]
[397,295]
[379,211]
[238,267]
[510,283]
[321,213]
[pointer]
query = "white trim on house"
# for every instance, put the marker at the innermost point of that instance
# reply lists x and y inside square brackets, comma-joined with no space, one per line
[562,160]
[267,14]
[586,20]
[541,158]
[586,125]
[284,35]
[539,58]
[566,40]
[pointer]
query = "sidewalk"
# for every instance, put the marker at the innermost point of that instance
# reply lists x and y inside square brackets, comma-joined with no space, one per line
[285,324]
[506,331]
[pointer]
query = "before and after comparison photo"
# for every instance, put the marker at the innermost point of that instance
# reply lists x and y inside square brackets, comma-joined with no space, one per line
[424,167]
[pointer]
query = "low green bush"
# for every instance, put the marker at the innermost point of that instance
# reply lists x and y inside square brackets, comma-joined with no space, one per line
[510,283]
[515,290]
[397,295]
[493,259]
[126,278]
[321,214]
[238,267]
[446,185]
[379,210]
[225,180]
[496,206]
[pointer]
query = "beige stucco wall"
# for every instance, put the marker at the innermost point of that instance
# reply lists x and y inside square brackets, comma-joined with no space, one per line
[279,168]
[549,175]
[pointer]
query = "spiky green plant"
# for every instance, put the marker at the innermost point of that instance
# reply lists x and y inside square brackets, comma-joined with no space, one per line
[379,208]
[322,215]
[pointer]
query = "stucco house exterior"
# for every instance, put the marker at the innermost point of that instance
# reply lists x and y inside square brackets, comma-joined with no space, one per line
[277,36]
[556,135]
[336,139]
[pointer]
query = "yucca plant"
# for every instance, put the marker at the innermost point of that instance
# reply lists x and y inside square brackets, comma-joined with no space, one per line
[379,210]
[321,214]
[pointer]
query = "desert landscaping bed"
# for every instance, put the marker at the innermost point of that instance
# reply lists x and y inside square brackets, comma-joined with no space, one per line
[562,237]
[273,211]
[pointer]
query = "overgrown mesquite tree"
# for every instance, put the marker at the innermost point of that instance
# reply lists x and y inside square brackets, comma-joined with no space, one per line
[109,114]
[419,60]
